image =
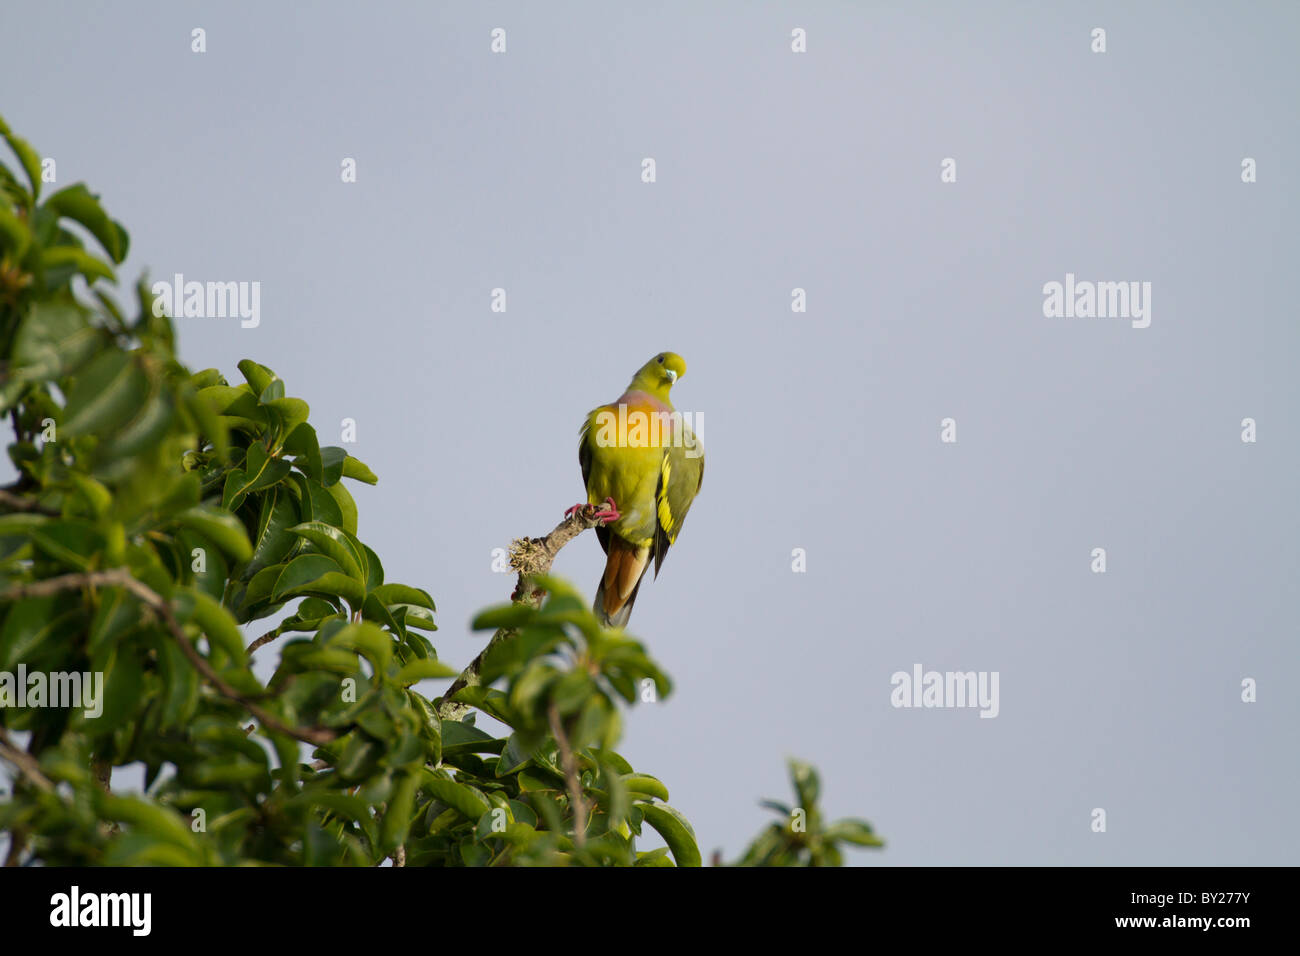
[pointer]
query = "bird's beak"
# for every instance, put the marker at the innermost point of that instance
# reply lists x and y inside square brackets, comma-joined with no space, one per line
[672,376]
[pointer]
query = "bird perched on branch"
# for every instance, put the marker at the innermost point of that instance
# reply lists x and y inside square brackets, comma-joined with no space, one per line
[643,466]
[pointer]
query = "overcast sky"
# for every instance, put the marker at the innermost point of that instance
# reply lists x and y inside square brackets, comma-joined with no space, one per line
[775,171]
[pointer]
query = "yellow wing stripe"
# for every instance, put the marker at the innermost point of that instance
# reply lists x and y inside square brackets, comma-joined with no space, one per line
[665,512]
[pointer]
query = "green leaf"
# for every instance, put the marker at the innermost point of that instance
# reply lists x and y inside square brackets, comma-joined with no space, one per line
[422,669]
[412,616]
[675,830]
[28,626]
[346,506]
[118,611]
[373,610]
[615,761]
[352,468]
[396,823]
[206,378]
[180,684]
[336,544]
[15,235]
[645,785]
[259,592]
[332,459]
[105,395]
[209,423]
[401,594]
[302,444]
[370,640]
[658,857]
[148,817]
[78,260]
[464,799]
[854,831]
[98,498]
[72,541]
[212,619]
[79,204]
[259,377]
[292,411]
[316,572]
[806,784]
[518,752]
[537,778]
[273,539]
[260,471]
[317,503]
[147,427]
[234,402]
[373,568]
[53,340]
[460,737]
[503,615]
[572,690]
[123,685]
[31,163]
[219,526]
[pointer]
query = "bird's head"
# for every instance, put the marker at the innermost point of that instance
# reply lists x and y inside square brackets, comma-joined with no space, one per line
[658,375]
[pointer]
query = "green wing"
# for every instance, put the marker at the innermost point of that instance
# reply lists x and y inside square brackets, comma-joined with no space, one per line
[584,462]
[680,479]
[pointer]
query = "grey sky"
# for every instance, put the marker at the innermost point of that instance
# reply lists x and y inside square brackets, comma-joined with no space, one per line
[778,170]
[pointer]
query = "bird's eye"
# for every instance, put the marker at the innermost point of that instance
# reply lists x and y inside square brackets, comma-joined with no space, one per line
[661,360]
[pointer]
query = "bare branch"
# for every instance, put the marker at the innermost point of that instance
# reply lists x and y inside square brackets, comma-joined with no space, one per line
[19,503]
[530,557]
[27,764]
[570,776]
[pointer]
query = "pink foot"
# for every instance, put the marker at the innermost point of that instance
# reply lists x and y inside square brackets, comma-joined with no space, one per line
[603,514]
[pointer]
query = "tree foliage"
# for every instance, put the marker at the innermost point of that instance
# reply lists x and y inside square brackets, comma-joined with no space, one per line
[157,511]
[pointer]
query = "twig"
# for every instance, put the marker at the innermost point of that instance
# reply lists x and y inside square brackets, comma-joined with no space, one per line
[528,556]
[17,843]
[570,776]
[27,764]
[102,768]
[118,577]
[266,638]
[19,503]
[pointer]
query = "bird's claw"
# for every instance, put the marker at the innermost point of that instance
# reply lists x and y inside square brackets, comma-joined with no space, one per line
[595,512]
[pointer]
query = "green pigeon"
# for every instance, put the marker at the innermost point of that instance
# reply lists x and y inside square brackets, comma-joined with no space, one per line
[640,460]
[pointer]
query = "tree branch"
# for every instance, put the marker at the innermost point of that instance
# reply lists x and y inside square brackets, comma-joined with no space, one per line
[266,638]
[20,503]
[119,577]
[528,556]
[27,764]
[570,776]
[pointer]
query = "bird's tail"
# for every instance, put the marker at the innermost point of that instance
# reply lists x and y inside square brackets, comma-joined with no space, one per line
[625,566]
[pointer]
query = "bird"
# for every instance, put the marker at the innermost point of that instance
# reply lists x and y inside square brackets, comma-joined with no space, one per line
[642,467]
